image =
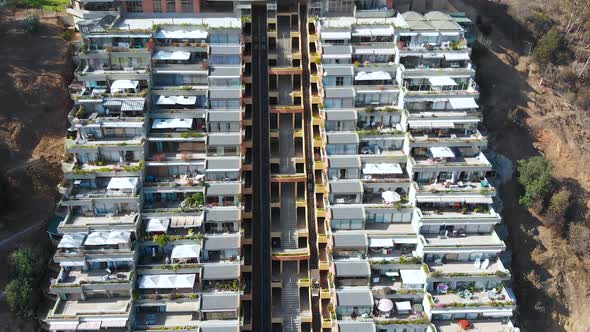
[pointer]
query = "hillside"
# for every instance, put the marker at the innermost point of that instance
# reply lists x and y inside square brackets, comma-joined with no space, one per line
[530,111]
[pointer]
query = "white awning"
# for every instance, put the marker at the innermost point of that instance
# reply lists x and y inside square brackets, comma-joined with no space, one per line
[60,326]
[405,240]
[432,55]
[167,281]
[181,34]
[119,183]
[431,124]
[172,123]
[72,240]
[412,277]
[407,34]
[104,238]
[186,221]
[392,168]
[456,56]
[462,103]
[166,100]
[429,34]
[336,56]
[441,152]
[176,55]
[382,31]
[403,306]
[112,322]
[441,81]
[372,76]
[89,326]
[158,225]
[335,35]
[72,263]
[380,243]
[479,199]
[451,33]
[186,251]
[124,84]
[362,32]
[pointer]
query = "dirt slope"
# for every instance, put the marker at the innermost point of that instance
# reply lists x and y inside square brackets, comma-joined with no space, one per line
[545,124]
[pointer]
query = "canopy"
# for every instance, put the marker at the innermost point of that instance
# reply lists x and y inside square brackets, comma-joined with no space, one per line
[181,34]
[462,103]
[441,152]
[440,81]
[373,31]
[186,221]
[173,100]
[167,281]
[403,306]
[172,123]
[412,277]
[381,243]
[158,225]
[431,124]
[124,84]
[372,76]
[385,305]
[104,238]
[186,251]
[456,56]
[393,168]
[119,183]
[176,55]
[390,196]
[72,240]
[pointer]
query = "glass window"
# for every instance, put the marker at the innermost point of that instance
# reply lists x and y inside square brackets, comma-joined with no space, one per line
[157,6]
[187,5]
[171,6]
[135,6]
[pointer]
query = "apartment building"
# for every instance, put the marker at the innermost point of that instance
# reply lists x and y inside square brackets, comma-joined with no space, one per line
[157,234]
[411,243]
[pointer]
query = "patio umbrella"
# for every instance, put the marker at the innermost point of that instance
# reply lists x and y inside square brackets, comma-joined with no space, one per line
[390,196]
[385,305]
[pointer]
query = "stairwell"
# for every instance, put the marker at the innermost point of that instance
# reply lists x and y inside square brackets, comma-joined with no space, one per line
[290,298]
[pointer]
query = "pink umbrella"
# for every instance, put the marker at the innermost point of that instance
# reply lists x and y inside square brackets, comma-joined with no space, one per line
[385,305]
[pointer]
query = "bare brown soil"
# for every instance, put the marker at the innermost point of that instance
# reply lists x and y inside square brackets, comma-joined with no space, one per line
[545,124]
[35,70]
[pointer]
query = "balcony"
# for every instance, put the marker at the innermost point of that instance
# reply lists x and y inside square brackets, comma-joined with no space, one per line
[447,137]
[91,307]
[470,241]
[476,185]
[450,88]
[74,278]
[461,298]
[467,269]
[478,161]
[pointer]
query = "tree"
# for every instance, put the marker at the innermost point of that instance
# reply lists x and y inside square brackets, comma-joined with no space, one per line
[546,50]
[536,179]
[26,264]
[21,297]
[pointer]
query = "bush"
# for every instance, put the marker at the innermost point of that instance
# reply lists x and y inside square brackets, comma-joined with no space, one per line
[67,35]
[559,203]
[540,23]
[32,24]
[583,99]
[26,264]
[535,177]
[20,297]
[579,239]
[546,50]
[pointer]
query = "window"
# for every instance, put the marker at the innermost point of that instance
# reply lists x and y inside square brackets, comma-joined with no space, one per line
[157,6]
[187,5]
[170,6]
[135,6]
[339,81]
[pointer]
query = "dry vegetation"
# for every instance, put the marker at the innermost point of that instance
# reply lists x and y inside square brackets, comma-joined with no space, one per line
[535,83]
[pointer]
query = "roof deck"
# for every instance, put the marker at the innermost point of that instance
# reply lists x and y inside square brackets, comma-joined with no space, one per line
[91,307]
[492,325]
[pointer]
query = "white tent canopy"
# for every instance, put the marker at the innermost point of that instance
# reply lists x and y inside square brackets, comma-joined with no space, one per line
[72,240]
[456,56]
[372,76]
[186,251]
[173,100]
[382,168]
[181,34]
[167,281]
[390,196]
[172,123]
[120,183]
[462,103]
[176,55]
[119,85]
[329,35]
[441,152]
[158,225]
[441,81]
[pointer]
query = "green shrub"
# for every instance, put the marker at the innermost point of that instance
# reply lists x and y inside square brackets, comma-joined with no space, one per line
[21,297]
[160,239]
[540,23]
[559,203]
[536,179]
[67,35]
